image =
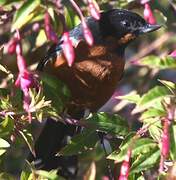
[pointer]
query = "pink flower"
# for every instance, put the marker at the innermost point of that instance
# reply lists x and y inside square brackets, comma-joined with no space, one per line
[25,79]
[144,1]
[94,10]
[173,54]
[125,167]
[148,14]
[50,34]
[87,34]
[68,49]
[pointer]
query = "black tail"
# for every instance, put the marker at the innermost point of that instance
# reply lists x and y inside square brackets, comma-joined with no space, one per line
[53,137]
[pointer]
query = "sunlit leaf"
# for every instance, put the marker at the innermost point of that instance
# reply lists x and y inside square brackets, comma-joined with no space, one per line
[4,69]
[49,175]
[6,126]
[3,146]
[25,175]
[25,13]
[156,62]
[41,38]
[170,85]
[154,127]
[139,146]
[152,112]
[131,97]
[152,98]
[146,160]
[91,172]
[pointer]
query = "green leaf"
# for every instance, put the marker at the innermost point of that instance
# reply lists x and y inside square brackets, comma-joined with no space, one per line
[152,113]
[152,99]
[41,38]
[156,62]
[28,138]
[50,175]
[160,18]
[4,92]
[139,146]
[80,143]
[170,85]
[173,142]
[4,69]
[6,126]
[154,127]
[25,175]
[6,176]
[25,13]
[110,123]
[119,154]
[131,97]
[2,2]
[56,91]
[145,161]
[3,146]
[71,18]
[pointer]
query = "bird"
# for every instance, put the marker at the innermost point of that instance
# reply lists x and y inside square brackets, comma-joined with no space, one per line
[91,79]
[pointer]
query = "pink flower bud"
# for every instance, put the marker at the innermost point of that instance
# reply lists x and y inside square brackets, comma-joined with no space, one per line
[13,138]
[173,54]
[21,63]
[125,167]
[94,11]
[11,46]
[36,27]
[87,34]
[148,14]
[50,34]
[68,49]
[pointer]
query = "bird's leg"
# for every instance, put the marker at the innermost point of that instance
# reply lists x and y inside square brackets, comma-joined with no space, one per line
[101,136]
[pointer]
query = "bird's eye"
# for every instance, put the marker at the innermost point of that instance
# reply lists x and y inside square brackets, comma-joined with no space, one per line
[125,23]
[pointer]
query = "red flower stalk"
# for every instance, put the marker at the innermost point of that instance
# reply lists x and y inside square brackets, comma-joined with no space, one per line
[11,45]
[87,34]
[165,139]
[50,34]
[68,49]
[94,10]
[173,54]
[148,14]
[125,167]
[86,31]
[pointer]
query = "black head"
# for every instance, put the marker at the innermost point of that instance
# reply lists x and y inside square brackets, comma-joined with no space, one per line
[119,23]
